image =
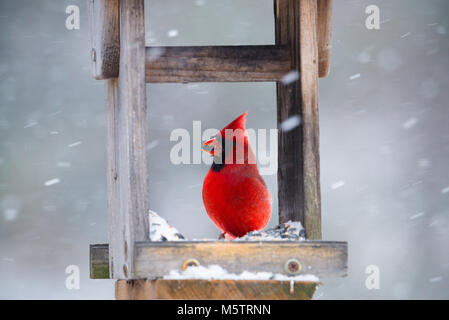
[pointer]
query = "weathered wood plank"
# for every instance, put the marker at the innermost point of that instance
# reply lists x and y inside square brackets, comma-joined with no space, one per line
[217,63]
[113,151]
[290,153]
[310,121]
[104,38]
[320,258]
[214,289]
[99,261]
[324,9]
[298,157]
[127,169]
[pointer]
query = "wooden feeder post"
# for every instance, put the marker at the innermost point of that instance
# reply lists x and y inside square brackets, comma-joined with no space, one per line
[298,171]
[119,56]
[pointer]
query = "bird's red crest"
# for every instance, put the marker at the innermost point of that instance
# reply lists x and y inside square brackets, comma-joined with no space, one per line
[238,123]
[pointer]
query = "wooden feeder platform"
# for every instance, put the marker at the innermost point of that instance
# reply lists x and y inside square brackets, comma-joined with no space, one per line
[120,57]
[320,258]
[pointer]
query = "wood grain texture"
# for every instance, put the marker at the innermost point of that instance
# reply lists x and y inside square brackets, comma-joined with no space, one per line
[217,63]
[112,167]
[324,9]
[310,120]
[290,153]
[127,166]
[214,289]
[321,258]
[104,38]
[298,157]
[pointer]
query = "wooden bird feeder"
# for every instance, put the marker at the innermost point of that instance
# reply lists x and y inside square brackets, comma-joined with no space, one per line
[120,57]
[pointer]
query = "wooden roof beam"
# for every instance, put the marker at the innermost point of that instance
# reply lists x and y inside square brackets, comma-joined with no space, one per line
[217,63]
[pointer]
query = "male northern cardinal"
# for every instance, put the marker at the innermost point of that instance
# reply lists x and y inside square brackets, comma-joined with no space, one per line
[234,194]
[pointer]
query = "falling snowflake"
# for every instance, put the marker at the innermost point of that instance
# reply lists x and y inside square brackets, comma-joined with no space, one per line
[152,144]
[445,190]
[291,123]
[416,216]
[51,182]
[409,123]
[172,33]
[337,184]
[290,77]
[155,53]
[75,144]
[200,3]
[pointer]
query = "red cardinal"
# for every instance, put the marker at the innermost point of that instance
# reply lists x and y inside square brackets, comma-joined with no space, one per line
[234,194]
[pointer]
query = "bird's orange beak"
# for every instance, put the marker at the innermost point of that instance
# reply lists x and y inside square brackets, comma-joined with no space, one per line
[208,146]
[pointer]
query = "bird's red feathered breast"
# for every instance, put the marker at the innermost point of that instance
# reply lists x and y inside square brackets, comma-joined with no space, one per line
[235,196]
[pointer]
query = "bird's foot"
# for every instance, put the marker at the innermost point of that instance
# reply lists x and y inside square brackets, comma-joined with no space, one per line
[225,236]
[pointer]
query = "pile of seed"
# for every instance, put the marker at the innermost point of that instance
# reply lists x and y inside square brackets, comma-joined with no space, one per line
[160,230]
[289,231]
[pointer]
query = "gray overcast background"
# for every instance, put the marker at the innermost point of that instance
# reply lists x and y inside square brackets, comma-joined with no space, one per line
[384,140]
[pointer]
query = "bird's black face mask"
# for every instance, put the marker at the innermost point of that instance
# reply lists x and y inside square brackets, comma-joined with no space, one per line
[219,155]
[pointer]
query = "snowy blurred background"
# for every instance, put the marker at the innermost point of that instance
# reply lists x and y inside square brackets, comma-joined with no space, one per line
[384,119]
